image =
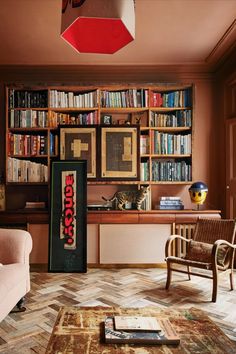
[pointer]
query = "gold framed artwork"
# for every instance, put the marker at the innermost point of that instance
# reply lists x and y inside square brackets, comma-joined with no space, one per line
[79,144]
[119,152]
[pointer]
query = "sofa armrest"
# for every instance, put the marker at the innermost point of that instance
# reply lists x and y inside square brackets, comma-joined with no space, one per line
[16,246]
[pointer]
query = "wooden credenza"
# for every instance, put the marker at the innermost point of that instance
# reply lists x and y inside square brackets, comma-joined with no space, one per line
[114,238]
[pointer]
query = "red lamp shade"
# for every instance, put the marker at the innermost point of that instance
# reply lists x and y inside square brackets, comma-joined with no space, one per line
[98,26]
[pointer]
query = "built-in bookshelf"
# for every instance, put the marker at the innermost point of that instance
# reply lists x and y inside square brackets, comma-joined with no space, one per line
[164,114]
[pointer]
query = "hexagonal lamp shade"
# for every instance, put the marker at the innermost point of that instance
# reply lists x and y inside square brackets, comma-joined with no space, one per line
[98,26]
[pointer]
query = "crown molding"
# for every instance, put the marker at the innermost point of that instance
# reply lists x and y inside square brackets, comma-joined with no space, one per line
[223,48]
[103,73]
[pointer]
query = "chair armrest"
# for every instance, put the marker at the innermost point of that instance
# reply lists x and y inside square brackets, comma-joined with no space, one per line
[170,240]
[16,246]
[216,246]
[217,243]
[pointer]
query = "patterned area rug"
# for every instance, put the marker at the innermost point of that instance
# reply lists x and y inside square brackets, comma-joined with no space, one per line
[78,330]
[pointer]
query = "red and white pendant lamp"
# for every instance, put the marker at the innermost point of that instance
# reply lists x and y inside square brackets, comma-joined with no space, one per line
[98,26]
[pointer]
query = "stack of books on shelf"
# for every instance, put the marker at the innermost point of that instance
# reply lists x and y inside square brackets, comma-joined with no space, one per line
[138,329]
[170,203]
[35,205]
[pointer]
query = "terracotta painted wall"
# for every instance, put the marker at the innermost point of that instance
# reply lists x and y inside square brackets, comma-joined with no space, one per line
[223,76]
[205,146]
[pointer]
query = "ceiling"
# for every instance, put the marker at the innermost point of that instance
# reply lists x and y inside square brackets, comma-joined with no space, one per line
[168,32]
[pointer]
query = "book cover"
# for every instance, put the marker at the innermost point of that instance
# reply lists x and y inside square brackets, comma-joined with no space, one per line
[166,336]
[136,323]
[170,198]
[170,207]
[171,202]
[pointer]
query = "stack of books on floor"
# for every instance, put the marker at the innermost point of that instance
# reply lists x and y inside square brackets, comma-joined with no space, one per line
[139,330]
[170,203]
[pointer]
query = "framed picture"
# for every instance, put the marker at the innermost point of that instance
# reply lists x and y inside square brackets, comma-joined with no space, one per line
[68,217]
[106,119]
[139,118]
[119,152]
[79,144]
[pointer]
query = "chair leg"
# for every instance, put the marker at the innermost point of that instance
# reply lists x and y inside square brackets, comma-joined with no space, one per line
[169,274]
[215,284]
[189,270]
[231,276]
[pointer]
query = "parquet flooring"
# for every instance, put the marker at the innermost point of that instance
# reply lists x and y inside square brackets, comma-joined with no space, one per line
[29,332]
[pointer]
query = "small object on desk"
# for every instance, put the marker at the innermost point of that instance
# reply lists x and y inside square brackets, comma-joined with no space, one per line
[35,205]
[136,323]
[170,203]
[198,192]
[167,335]
[98,207]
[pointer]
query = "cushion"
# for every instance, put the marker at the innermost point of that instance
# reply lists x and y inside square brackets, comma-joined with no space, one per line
[201,252]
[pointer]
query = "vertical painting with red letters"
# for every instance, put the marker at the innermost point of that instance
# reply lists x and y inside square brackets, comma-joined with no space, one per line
[68,217]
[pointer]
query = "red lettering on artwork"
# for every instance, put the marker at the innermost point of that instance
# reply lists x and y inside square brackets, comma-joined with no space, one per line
[69,180]
[69,231]
[68,212]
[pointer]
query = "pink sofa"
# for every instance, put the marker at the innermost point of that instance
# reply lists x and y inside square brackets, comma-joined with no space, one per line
[15,247]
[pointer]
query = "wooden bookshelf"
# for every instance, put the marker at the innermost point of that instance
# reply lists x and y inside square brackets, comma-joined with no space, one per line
[164,114]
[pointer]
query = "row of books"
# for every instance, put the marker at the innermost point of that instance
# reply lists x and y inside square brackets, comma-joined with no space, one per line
[144,171]
[28,99]
[41,119]
[169,171]
[62,99]
[144,144]
[173,171]
[135,98]
[165,143]
[53,145]
[26,171]
[56,118]
[27,145]
[28,119]
[182,118]
[122,98]
[181,98]
[138,329]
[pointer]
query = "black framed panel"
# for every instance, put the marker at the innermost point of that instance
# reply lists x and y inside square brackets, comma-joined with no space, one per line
[68,217]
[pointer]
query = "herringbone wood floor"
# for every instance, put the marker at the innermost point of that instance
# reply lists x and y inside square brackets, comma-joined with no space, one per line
[29,332]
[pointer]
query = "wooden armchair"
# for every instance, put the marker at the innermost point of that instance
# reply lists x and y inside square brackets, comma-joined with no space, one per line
[212,248]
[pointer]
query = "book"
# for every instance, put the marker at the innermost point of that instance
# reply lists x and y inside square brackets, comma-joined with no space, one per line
[35,205]
[170,198]
[170,207]
[136,323]
[167,335]
[171,202]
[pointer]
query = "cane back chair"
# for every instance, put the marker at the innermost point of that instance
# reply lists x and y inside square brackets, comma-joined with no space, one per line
[212,248]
